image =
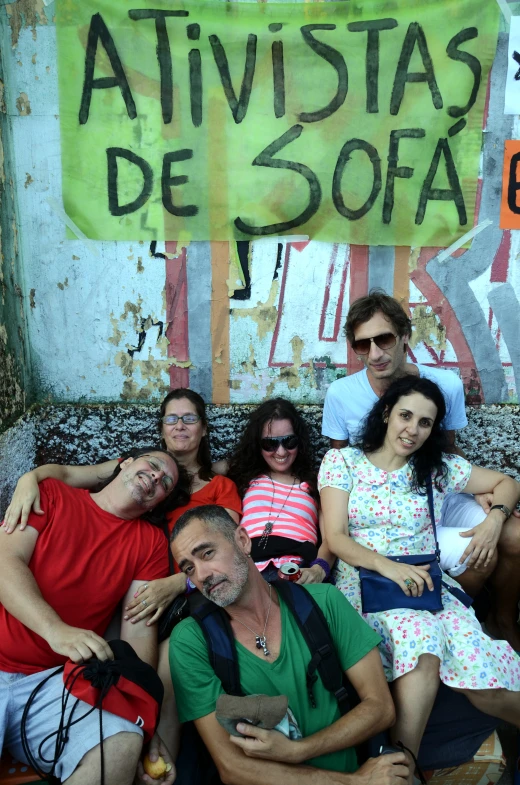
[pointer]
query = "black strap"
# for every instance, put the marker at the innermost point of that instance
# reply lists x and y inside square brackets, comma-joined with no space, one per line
[220,641]
[324,658]
[62,733]
[458,593]
[429,491]
[170,555]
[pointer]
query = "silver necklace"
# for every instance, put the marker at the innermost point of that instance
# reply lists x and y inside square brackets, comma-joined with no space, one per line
[261,642]
[268,528]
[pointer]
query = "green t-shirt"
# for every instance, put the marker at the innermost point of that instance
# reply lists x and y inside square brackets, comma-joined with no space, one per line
[197,687]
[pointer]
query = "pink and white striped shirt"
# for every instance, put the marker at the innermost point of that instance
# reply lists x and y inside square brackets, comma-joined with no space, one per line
[292,510]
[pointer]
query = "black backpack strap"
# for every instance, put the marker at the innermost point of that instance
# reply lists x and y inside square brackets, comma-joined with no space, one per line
[220,641]
[324,658]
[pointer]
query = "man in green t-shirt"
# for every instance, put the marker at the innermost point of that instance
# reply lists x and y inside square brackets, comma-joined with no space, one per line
[273,657]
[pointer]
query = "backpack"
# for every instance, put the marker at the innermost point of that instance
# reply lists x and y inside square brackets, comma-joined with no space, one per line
[455,729]
[220,640]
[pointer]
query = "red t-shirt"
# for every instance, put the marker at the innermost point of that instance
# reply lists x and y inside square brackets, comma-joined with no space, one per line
[219,490]
[84,562]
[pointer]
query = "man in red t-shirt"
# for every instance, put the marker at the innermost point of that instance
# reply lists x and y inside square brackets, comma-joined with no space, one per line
[61,580]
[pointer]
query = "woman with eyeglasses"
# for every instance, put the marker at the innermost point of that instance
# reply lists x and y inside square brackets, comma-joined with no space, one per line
[272,466]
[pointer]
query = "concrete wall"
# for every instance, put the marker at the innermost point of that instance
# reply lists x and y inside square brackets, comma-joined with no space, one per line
[111,322]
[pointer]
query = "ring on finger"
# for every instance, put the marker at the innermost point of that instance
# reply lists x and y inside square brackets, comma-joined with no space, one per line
[143,602]
[408,582]
[145,586]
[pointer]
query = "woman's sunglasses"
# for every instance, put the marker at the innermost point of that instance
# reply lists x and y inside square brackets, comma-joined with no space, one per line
[383,341]
[271,443]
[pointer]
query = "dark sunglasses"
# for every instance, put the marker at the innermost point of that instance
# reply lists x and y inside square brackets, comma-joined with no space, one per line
[271,443]
[383,341]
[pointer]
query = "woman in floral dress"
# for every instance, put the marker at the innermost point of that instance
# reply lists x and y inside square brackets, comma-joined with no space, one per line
[375,505]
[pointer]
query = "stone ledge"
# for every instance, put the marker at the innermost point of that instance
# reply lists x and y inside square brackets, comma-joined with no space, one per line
[89,434]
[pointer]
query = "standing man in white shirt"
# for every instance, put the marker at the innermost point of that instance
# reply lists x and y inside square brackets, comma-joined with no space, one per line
[379,330]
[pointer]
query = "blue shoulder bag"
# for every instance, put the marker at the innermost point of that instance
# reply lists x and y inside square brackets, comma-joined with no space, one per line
[382,594]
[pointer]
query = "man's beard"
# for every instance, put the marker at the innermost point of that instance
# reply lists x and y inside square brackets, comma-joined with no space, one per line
[136,491]
[229,586]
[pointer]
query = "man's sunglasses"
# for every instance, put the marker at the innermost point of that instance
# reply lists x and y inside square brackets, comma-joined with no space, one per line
[188,419]
[271,443]
[383,341]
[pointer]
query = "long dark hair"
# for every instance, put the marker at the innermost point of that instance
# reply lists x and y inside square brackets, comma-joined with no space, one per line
[428,460]
[204,452]
[179,497]
[246,462]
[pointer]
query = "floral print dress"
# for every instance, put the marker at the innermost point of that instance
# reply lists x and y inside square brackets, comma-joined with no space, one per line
[387,517]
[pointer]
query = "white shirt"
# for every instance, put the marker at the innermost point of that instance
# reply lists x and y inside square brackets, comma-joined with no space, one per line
[350,398]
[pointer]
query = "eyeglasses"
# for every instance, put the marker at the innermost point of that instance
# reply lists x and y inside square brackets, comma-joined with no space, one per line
[188,419]
[271,443]
[383,341]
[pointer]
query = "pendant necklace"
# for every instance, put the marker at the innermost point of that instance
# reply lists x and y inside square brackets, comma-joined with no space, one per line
[261,642]
[270,523]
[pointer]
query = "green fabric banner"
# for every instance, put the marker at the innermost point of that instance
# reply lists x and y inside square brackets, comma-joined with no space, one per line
[349,121]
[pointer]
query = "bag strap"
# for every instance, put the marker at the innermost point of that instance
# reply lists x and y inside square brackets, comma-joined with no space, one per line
[324,658]
[429,491]
[220,641]
[457,592]
[170,555]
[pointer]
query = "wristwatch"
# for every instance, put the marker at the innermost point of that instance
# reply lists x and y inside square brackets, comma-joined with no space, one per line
[502,508]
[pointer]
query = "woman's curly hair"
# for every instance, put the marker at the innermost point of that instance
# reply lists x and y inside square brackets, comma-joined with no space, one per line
[246,461]
[179,496]
[427,461]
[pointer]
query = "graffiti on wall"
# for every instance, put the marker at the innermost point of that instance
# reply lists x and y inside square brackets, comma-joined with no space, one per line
[290,299]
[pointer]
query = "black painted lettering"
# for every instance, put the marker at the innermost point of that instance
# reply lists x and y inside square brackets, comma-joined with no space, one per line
[193,32]
[414,36]
[454,193]
[164,57]
[373,27]
[195,66]
[513,185]
[337,61]
[99,32]
[265,158]
[238,107]
[471,61]
[167,182]
[397,171]
[343,158]
[457,127]
[113,153]
[278,78]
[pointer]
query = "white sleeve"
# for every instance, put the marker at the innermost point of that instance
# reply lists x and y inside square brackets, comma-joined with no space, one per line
[455,406]
[334,423]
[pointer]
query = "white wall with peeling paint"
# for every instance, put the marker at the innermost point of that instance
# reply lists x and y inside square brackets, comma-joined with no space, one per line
[85,301]
[88,303]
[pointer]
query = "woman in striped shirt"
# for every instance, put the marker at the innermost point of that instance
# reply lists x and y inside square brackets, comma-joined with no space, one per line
[272,467]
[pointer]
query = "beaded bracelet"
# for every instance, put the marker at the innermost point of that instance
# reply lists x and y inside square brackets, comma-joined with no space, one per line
[323,564]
